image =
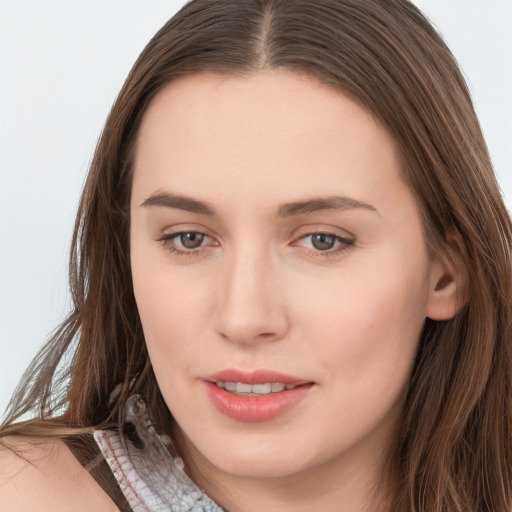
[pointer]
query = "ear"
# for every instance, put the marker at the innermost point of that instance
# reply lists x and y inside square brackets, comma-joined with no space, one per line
[448,281]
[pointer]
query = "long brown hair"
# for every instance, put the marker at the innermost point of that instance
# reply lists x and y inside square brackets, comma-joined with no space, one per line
[453,450]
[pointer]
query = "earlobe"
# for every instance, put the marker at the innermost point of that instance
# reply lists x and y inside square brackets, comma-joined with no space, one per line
[448,287]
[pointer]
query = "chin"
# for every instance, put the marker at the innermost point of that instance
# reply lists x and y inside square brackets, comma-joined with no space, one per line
[258,467]
[252,458]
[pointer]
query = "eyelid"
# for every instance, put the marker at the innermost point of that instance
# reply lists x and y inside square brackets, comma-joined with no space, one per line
[178,229]
[323,229]
[343,240]
[167,240]
[340,239]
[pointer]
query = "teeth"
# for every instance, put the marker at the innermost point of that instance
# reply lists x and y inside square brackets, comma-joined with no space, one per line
[261,388]
[242,388]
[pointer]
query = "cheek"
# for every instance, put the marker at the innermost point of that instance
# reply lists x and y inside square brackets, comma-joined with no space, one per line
[173,309]
[173,322]
[364,325]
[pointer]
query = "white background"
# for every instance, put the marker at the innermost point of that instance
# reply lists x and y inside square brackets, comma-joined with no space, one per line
[62,63]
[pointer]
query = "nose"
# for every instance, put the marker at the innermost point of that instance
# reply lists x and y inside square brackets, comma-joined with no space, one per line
[250,304]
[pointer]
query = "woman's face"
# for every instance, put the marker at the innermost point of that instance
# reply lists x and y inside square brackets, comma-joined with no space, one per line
[280,272]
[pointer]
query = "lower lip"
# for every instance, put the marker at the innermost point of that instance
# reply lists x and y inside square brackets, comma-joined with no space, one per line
[253,409]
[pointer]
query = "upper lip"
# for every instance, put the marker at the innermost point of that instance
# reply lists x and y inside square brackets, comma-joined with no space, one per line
[255,377]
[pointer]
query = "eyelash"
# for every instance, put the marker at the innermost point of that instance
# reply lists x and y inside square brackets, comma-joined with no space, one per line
[344,244]
[168,243]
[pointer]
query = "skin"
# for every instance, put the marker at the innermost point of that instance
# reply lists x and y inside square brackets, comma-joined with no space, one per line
[42,475]
[257,293]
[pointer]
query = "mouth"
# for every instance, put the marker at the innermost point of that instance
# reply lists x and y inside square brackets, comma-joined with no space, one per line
[244,389]
[255,396]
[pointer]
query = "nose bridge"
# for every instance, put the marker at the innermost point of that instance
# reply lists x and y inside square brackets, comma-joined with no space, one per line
[250,305]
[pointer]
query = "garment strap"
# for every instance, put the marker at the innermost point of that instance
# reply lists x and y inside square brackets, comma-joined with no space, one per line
[86,451]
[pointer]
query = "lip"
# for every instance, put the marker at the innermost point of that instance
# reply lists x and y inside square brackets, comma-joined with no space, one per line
[255,409]
[255,377]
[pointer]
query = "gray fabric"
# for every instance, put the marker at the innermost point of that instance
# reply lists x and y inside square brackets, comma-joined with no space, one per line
[150,479]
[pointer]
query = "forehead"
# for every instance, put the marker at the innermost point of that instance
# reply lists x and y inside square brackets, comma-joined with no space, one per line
[271,131]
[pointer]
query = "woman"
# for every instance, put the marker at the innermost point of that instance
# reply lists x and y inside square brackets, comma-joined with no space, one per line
[292,280]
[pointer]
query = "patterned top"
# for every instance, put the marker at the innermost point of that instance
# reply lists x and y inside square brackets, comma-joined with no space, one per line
[150,479]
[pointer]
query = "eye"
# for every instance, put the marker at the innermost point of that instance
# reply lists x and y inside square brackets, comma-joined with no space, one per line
[323,242]
[327,243]
[191,239]
[185,242]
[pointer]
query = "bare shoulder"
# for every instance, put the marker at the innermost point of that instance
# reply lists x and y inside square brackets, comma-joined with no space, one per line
[43,475]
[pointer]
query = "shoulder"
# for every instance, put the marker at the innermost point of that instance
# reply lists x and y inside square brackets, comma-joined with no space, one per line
[43,475]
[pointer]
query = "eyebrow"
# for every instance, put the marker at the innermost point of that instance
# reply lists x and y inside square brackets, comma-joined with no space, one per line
[167,200]
[332,203]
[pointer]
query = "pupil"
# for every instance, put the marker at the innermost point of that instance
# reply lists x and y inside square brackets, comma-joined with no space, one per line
[323,242]
[191,240]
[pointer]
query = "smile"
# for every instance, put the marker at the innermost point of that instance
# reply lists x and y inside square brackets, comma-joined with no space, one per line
[258,396]
[244,389]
